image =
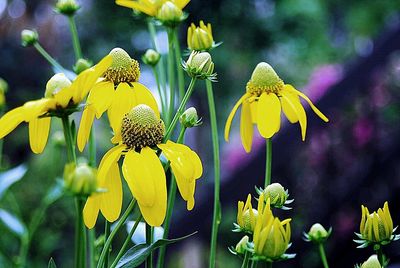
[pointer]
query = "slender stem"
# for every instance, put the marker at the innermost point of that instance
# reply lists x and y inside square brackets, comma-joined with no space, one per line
[322,255]
[91,239]
[268,162]
[381,257]
[23,253]
[215,142]
[246,259]
[179,70]
[127,241]
[162,96]
[254,264]
[75,38]
[171,74]
[1,141]
[47,56]
[170,207]
[92,147]
[107,229]
[79,234]
[69,139]
[149,240]
[180,109]
[119,224]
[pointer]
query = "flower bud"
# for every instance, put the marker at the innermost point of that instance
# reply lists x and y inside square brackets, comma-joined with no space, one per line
[200,38]
[151,57]
[80,179]
[3,85]
[82,65]
[58,138]
[170,14]
[372,262]
[241,247]
[29,37]
[67,7]
[277,194]
[200,66]
[189,118]
[376,227]
[246,216]
[317,233]
[55,84]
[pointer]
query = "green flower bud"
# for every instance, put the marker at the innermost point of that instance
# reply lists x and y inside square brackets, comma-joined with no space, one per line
[376,227]
[67,7]
[200,38]
[189,118]
[372,262]
[58,139]
[55,84]
[200,66]
[82,65]
[170,14]
[318,233]
[241,247]
[80,179]
[3,85]
[29,37]
[277,194]
[151,57]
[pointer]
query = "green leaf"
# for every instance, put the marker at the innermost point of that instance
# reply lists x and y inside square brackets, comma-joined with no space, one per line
[12,223]
[10,177]
[136,255]
[52,263]
[54,193]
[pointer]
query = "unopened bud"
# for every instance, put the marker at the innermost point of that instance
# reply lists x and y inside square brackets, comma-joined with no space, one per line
[200,65]
[170,14]
[55,84]
[82,65]
[3,85]
[151,57]
[80,179]
[317,233]
[241,247]
[67,7]
[58,139]
[189,118]
[277,194]
[29,37]
[372,262]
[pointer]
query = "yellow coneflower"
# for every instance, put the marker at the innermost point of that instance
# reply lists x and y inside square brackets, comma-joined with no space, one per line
[61,97]
[266,95]
[117,93]
[141,137]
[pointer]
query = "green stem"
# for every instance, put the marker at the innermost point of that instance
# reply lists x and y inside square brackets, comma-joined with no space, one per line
[246,259]
[322,255]
[149,240]
[79,234]
[75,38]
[180,109]
[91,239]
[179,69]
[162,96]
[1,142]
[119,224]
[215,142]
[127,241]
[107,229]
[47,56]
[69,139]
[92,147]
[268,162]
[171,75]
[170,207]
[23,253]
[381,257]
[254,264]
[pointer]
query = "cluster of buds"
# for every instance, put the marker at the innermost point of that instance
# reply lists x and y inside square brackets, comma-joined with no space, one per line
[200,66]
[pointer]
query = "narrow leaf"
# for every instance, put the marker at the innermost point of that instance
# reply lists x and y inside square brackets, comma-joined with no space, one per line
[52,263]
[10,177]
[12,223]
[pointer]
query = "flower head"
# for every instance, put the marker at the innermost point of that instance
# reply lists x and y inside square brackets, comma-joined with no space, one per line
[266,96]
[141,136]
[277,194]
[200,66]
[241,246]
[80,179]
[61,98]
[372,262]
[200,38]
[189,118]
[151,57]
[67,7]
[117,93]
[246,216]
[29,37]
[317,233]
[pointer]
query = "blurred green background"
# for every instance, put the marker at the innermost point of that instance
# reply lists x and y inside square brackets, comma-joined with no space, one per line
[344,54]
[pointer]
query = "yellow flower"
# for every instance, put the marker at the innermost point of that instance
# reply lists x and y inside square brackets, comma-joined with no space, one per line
[266,95]
[61,95]
[141,134]
[246,215]
[271,236]
[376,227]
[162,9]
[117,94]
[200,38]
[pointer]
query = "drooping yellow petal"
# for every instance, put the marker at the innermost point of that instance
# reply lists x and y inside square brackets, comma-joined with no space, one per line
[137,6]
[11,120]
[85,127]
[110,158]
[39,129]
[144,96]
[246,127]
[313,107]
[111,200]
[287,106]
[33,109]
[293,102]
[268,115]
[63,97]
[101,96]
[122,103]
[91,210]
[231,115]
[181,3]
[146,180]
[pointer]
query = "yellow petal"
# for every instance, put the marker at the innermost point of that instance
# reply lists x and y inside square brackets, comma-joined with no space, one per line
[246,127]
[111,201]
[231,115]
[313,107]
[137,6]
[91,210]
[33,109]
[146,180]
[39,129]
[122,103]
[85,127]
[294,103]
[268,115]
[110,158]
[181,3]
[288,108]
[64,96]
[144,96]
[11,120]
[101,96]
